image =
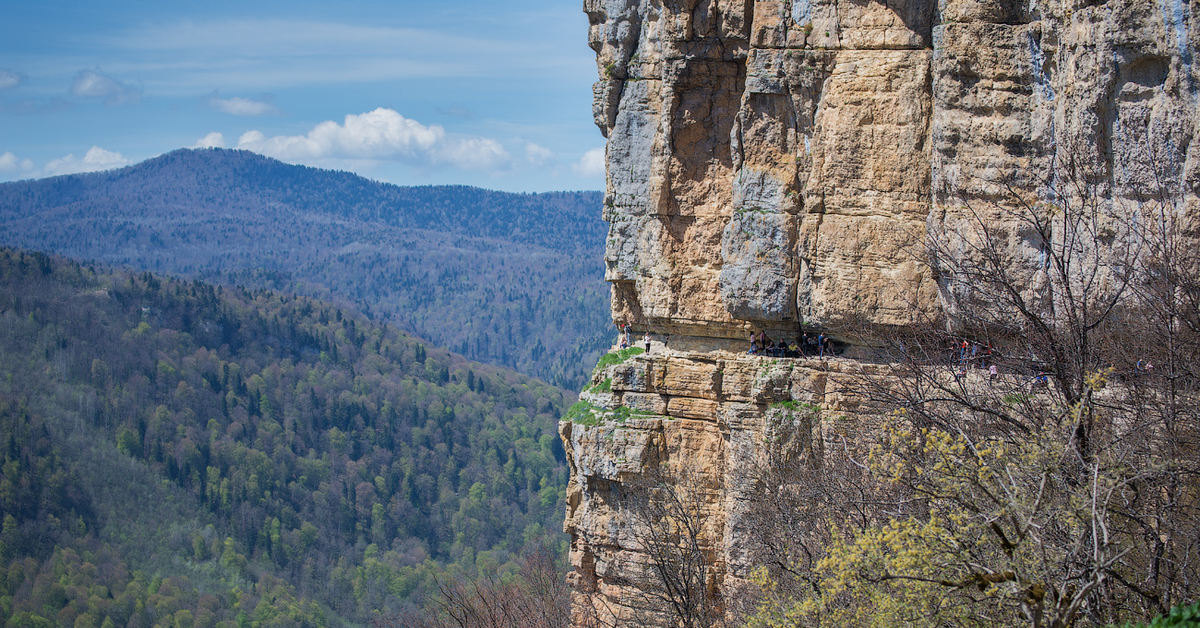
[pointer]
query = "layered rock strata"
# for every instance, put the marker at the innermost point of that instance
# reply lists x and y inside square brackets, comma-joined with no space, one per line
[703,420]
[779,163]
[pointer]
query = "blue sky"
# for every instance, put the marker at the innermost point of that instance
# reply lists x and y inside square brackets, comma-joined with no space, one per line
[495,94]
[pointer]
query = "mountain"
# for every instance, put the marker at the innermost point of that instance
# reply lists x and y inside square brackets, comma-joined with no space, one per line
[510,279]
[174,452]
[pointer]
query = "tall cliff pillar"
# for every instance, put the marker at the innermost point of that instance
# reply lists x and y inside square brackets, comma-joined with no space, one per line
[782,165]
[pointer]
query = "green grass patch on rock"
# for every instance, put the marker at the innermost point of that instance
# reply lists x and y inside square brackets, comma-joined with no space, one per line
[603,387]
[588,413]
[616,357]
[584,413]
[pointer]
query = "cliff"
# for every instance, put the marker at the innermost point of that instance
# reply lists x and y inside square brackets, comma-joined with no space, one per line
[777,163]
[696,429]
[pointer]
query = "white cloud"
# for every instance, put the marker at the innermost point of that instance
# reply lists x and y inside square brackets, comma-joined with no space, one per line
[242,106]
[382,134]
[11,163]
[96,159]
[592,163]
[212,140]
[473,153]
[93,84]
[537,155]
[9,79]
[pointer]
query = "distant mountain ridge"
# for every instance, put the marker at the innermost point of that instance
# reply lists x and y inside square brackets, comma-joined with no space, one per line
[238,180]
[512,279]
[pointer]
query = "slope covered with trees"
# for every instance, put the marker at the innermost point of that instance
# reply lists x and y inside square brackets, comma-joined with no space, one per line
[511,279]
[175,451]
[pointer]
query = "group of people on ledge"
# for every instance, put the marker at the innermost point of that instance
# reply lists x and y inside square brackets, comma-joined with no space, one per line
[625,341]
[972,354]
[806,344]
[966,355]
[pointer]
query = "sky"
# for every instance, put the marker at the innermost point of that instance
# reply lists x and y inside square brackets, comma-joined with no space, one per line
[490,93]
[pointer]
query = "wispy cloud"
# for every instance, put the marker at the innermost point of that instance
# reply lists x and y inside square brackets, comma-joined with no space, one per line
[212,140]
[242,106]
[382,134]
[9,79]
[94,84]
[537,155]
[240,54]
[95,159]
[10,164]
[280,37]
[592,163]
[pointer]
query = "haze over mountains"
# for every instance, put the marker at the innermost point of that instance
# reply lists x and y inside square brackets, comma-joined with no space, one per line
[511,279]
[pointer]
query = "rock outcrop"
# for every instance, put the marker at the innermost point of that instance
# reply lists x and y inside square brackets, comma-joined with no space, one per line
[778,163]
[705,422]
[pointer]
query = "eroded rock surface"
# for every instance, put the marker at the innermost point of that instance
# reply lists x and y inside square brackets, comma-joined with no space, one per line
[784,161]
[704,422]
[775,163]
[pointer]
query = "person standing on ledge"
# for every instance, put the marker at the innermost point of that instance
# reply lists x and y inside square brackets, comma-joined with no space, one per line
[646,339]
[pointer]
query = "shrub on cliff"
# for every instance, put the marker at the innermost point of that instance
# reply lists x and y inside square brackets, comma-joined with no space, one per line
[1062,491]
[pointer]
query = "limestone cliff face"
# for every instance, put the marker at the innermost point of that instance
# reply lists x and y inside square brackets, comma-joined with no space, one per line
[706,421]
[778,162]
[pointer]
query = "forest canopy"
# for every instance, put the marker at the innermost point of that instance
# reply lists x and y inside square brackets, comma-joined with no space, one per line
[177,449]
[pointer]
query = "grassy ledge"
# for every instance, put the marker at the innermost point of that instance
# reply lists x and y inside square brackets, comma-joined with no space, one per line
[589,414]
[616,357]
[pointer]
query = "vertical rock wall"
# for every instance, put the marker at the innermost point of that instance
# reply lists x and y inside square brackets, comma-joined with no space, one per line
[703,424]
[779,162]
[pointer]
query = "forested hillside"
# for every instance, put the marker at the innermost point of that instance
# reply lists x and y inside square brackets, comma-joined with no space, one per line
[172,451]
[511,279]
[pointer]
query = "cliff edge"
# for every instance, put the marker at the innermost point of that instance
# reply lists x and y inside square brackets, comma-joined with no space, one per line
[789,165]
